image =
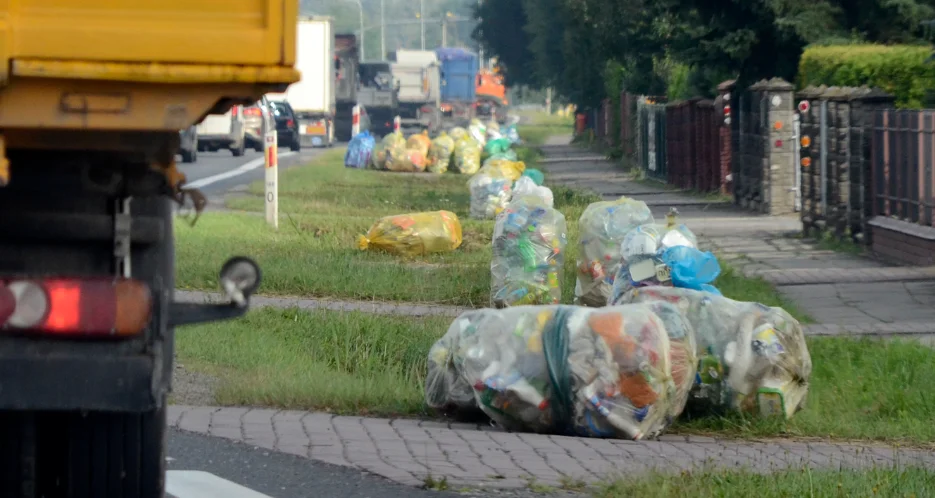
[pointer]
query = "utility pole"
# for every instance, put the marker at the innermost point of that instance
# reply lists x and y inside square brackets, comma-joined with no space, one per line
[383,30]
[548,100]
[444,31]
[422,20]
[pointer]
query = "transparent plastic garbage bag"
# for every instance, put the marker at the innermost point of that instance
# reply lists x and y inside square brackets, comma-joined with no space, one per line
[621,372]
[602,228]
[490,192]
[752,358]
[529,240]
[526,187]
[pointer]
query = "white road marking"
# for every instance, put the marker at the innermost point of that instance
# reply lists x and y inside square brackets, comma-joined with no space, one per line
[197,484]
[244,168]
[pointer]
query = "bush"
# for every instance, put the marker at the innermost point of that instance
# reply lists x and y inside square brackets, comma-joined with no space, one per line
[901,70]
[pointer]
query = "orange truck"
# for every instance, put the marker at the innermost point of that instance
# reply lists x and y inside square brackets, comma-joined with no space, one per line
[93,94]
[491,93]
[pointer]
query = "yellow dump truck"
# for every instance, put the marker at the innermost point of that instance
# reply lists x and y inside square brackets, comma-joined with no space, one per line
[93,94]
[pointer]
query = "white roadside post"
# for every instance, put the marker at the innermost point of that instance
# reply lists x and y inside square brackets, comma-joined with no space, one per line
[272,178]
[355,121]
[397,124]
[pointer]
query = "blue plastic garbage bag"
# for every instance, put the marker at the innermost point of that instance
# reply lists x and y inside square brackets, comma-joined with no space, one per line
[359,150]
[512,134]
[692,269]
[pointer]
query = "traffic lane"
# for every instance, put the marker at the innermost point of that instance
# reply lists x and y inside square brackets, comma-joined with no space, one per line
[287,476]
[213,166]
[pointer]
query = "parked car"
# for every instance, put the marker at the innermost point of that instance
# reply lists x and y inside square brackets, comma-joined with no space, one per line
[223,131]
[287,126]
[188,144]
[255,118]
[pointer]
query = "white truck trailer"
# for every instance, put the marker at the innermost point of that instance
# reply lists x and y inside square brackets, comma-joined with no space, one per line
[312,98]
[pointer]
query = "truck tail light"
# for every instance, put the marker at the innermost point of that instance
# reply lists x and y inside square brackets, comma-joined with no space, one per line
[426,110]
[87,307]
[235,111]
[252,111]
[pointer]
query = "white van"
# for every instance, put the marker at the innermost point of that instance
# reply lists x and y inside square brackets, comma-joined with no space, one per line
[223,131]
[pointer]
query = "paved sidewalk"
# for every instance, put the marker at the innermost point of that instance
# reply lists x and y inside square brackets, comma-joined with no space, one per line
[410,451]
[840,291]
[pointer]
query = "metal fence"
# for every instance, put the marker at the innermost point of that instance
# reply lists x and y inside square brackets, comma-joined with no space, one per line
[652,133]
[903,152]
[692,145]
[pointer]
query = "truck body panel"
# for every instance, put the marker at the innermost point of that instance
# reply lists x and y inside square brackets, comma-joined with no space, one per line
[459,69]
[314,93]
[313,97]
[346,76]
[247,32]
[418,74]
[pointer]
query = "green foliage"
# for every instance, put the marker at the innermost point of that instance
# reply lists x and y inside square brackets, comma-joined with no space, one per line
[901,70]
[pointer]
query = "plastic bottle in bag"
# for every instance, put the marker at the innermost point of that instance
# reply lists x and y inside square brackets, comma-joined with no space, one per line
[490,192]
[414,234]
[440,153]
[621,372]
[467,156]
[752,358]
[529,240]
[602,227]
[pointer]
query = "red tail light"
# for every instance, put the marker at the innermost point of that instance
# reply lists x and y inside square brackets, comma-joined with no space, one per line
[252,111]
[235,110]
[289,123]
[89,307]
[426,110]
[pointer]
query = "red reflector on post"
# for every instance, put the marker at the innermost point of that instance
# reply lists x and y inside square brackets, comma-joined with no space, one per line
[92,307]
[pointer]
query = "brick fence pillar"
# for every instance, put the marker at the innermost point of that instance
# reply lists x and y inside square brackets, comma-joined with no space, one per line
[724,133]
[779,183]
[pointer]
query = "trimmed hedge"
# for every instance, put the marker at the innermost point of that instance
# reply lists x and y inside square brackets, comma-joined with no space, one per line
[901,70]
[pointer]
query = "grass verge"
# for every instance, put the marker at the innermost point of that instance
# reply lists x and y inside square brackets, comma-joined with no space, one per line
[325,206]
[904,482]
[363,363]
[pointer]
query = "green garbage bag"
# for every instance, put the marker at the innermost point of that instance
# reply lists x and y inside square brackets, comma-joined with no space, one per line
[535,175]
[497,146]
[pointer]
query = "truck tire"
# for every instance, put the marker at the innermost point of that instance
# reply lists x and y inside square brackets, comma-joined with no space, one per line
[238,149]
[92,455]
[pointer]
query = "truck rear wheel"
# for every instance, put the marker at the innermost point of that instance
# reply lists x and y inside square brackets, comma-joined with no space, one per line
[82,455]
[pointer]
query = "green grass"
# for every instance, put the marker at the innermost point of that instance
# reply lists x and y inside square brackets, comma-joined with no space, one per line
[339,362]
[364,363]
[325,206]
[902,482]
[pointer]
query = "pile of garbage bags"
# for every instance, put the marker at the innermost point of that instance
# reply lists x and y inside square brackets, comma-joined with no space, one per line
[623,372]
[511,169]
[529,240]
[359,151]
[752,358]
[490,190]
[602,228]
[414,234]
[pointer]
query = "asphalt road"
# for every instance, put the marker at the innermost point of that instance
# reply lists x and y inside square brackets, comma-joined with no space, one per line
[278,475]
[217,172]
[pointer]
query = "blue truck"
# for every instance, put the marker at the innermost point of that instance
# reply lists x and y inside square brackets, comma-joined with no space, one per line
[459,68]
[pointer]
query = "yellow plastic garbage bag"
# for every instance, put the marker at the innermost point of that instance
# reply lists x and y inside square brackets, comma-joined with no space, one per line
[511,169]
[414,234]
[440,153]
[381,151]
[457,133]
[420,142]
[404,160]
[467,156]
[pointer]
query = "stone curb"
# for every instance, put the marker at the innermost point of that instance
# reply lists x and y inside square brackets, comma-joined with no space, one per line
[411,451]
[417,310]
[815,276]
